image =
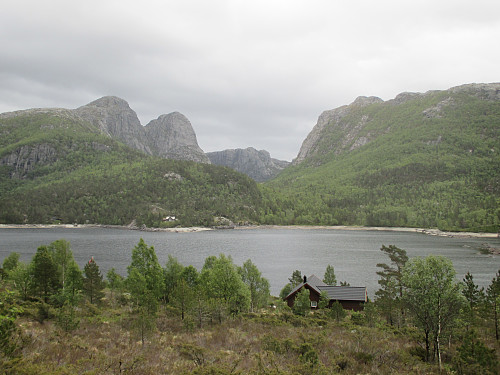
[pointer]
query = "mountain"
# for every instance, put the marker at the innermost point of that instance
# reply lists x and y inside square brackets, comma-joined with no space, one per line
[256,164]
[172,136]
[419,160]
[114,118]
[96,164]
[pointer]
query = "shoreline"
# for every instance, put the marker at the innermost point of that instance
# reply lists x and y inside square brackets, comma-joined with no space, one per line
[103,226]
[430,232]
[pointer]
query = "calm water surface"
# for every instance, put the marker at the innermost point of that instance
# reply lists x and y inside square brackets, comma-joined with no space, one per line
[276,252]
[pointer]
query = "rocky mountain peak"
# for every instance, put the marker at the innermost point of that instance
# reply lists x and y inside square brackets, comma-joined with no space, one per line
[363,101]
[487,91]
[109,102]
[256,164]
[172,136]
[114,117]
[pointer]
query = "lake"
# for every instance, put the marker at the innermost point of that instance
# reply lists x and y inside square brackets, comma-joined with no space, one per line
[277,252]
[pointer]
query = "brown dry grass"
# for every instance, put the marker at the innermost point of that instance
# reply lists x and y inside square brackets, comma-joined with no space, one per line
[256,344]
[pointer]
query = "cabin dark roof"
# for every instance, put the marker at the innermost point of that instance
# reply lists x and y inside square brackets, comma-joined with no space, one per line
[338,293]
[345,293]
[313,281]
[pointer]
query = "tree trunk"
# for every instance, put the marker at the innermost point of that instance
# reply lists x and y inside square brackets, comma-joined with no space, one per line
[496,318]
[427,346]
[438,349]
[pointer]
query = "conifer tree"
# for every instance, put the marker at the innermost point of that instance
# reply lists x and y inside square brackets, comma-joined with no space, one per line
[493,301]
[391,289]
[93,284]
[45,276]
[473,295]
[329,278]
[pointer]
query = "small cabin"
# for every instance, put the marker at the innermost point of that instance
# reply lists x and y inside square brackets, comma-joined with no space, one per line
[350,297]
[169,218]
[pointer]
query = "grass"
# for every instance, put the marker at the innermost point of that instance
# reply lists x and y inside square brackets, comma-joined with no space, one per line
[264,343]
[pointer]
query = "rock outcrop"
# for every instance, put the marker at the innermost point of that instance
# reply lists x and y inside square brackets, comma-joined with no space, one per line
[334,118]
[25,158]
[114,117]
[172,136]
[256,164]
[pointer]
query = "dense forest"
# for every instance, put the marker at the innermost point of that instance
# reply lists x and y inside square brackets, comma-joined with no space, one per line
[56,318]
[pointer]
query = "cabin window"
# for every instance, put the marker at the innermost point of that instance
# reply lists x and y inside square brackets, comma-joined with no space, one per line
[314,304]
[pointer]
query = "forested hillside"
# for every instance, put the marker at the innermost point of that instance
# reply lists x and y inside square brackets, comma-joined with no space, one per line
[420,160]
[57,168]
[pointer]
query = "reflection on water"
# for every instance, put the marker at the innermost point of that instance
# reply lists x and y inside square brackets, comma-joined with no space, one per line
[276,252]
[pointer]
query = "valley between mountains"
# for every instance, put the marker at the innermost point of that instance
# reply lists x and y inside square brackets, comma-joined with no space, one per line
[420,160]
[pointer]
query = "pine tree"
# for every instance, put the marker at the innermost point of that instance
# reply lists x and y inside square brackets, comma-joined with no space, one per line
[391,290]
[93,284]
[493,301]
[473,295]
[296,278]
[329,278]
[45,276]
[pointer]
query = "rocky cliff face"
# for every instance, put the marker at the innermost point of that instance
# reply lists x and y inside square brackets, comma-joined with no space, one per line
[169,136]
[25,158]
[114,117]
[172,136]
[334,118]
[256,164]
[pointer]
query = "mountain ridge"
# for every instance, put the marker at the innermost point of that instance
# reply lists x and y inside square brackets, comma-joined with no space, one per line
[113,117]
[313,144]
[256,164]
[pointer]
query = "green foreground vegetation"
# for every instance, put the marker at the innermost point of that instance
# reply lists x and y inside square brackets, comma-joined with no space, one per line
[56,319]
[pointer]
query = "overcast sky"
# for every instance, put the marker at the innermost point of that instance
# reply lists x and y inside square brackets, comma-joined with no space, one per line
[246,73]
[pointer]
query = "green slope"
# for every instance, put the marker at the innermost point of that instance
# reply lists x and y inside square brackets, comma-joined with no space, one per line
[55,168]
[431,161]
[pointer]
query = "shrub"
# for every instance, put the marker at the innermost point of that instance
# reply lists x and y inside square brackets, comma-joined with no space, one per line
[473,357]
[358,318]
[308,355]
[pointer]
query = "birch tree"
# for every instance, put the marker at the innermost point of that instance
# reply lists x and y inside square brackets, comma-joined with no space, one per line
[432,297]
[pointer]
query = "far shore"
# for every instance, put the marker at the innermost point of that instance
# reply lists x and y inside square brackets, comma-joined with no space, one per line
[431,232]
